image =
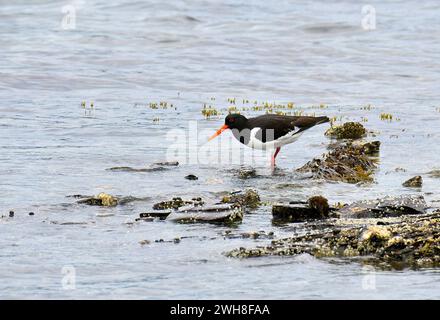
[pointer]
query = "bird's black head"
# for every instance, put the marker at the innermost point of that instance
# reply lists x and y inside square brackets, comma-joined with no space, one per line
[235,121]
[232,121]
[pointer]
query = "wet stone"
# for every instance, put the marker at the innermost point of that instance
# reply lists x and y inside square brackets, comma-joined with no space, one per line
[102,199]
[248,235]
[11,214]
[247,173]
[315,209]
[248,198]
[347,162]
[385,207]
[191,177]
[434,173]
[371,148]
[413,241]
[414,182]
[176,203]
[161,214]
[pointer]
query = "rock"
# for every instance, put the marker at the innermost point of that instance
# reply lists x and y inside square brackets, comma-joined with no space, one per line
[316,208]
[347,162]
[102,199]
[349,130]
[224,213]
[11,214]
[385,207]
[434,173]
[414,182]
[191,177]
[31,213]
[248,198]
[375,234]
[371,148]
[246,173]
[248,235]
[176,203]
[320,204]
[161,214]
[413,241]
[144,242]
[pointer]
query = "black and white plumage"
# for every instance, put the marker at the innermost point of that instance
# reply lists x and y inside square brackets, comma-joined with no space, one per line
[268,131]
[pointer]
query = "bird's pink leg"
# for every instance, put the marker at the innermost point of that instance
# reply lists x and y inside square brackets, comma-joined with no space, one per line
[274,156]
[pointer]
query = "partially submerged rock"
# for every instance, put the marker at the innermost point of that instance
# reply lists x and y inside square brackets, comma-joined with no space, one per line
[347,162]
[223,213]
[151,215]
[176,203]
[320,204]
[411,242]
[106,200]
[102,199]
[386,207]
[247,173]
[158,166]
[348,130]
[191,177]
[316,208]
[248,198]
[229,234]
[414,182]
[434,173]
[371,148]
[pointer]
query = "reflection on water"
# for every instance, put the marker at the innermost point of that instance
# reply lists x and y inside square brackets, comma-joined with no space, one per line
[125,54]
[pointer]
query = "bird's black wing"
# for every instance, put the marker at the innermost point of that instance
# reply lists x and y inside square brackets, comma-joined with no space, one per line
[275,126]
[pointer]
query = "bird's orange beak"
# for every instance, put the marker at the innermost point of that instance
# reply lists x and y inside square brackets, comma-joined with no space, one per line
[219,131]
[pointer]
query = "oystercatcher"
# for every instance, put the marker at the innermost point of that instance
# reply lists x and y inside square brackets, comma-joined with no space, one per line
[269,131]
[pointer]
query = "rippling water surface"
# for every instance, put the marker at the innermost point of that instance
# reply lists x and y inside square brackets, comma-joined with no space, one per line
[123,55]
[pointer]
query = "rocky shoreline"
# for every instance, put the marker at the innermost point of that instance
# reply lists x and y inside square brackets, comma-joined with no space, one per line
[392,232]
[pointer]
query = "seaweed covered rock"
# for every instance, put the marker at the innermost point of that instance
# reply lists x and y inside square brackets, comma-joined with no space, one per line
[247,173]
[411,242]
[320,204]
[176,203]
[371,148]
[347,162]
[348,130]
[316,208]
[414,182]
[102,199]
[248,198]
[390,206]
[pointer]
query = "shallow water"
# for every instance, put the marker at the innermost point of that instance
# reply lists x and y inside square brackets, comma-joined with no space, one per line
[124,55]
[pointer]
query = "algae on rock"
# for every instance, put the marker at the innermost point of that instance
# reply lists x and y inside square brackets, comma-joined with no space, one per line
[412,242]
[348,130]
[347,162]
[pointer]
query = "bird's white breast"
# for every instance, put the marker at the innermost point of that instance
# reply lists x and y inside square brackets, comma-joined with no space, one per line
[255,143]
